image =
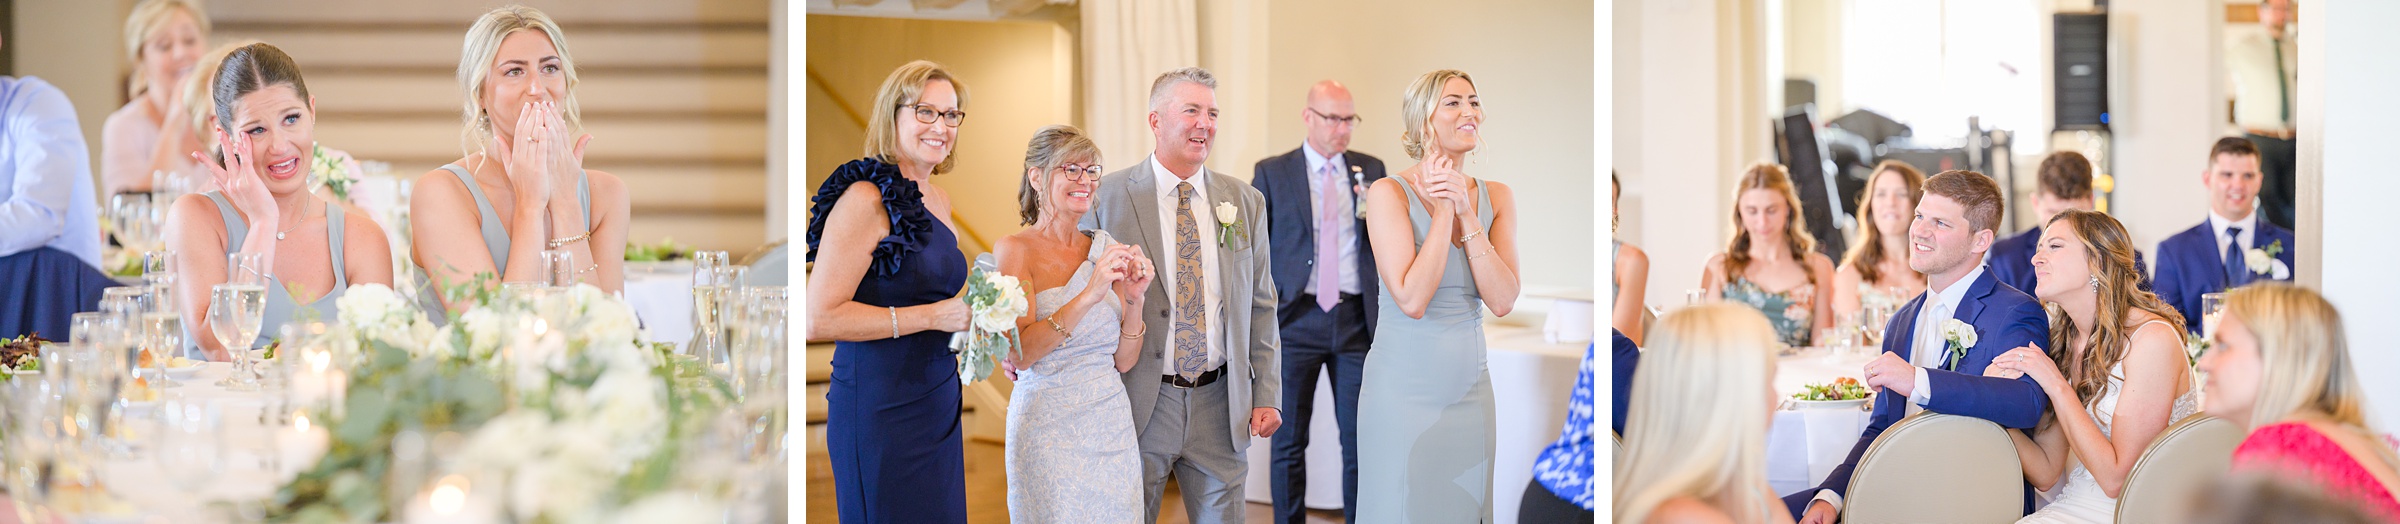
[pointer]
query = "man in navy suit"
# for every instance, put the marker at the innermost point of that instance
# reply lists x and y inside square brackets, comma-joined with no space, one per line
[1921,368]
[2214,256]
[1325,276]
[2066,183]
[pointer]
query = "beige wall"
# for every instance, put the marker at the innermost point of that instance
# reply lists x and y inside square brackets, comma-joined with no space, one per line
[1019,77]
[77,46]
[1691,100]
[1532,66]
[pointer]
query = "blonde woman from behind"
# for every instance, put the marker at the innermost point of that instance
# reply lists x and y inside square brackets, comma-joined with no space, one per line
[1696,430]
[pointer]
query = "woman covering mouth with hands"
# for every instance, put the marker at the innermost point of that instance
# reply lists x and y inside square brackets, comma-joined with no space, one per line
[526,191]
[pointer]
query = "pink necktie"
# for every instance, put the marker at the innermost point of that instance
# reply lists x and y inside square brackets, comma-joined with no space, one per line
[1329,256]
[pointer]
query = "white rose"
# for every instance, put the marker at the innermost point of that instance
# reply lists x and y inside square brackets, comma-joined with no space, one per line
[1001,315]
[1227,214]
[2258,260]
[1958,331]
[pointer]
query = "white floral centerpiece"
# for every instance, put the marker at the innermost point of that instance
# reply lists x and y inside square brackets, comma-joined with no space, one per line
[562,414]
[995,302]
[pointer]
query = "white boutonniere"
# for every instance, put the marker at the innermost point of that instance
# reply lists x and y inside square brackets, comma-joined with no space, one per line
[1229,225]
[1960,336]
[1358,191]
[2262,261]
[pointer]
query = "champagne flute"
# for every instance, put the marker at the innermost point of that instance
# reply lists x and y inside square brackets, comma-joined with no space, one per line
[235,310]
[2212,309]
[706,291]
[162,323]
[190,446]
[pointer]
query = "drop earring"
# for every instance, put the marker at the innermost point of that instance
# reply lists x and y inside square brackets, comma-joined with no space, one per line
[2095,284]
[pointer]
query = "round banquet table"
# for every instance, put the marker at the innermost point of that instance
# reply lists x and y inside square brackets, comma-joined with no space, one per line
[1805,445]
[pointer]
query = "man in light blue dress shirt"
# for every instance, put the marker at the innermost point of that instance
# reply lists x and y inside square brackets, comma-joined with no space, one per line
[46,194]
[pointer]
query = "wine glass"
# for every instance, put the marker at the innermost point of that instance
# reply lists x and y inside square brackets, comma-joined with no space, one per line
[707,290]
[235,309]
[190,447]
[129,215]
[2212,309]
[559,265]
[162,323]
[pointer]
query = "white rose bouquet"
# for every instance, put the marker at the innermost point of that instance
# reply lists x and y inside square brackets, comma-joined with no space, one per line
[995,300]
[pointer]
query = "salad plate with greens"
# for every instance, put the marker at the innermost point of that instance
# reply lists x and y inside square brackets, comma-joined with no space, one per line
[1842,393]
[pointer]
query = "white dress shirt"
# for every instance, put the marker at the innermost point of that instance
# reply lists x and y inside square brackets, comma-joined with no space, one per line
[1928,348]
[1204,217]
[2258,98]
[46,194]
[1347,228]
[2249,225]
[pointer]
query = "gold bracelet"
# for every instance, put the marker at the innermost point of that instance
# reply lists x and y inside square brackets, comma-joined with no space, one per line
[1053,321]
[1470,236]
[1485,253]
[1136,334]
[579,273]
[564,242]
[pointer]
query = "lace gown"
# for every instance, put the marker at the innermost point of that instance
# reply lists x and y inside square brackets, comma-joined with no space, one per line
[2079,499]
[1072,452]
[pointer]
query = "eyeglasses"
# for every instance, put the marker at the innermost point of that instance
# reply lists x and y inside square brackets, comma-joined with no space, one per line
[926,114]
[1343,120]
[1080,173]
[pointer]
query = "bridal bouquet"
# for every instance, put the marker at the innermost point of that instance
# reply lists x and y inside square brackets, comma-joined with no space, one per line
[995,300]
[548,403]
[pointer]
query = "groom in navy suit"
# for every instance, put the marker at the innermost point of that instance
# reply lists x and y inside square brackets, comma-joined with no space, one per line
[2212,257]
[1325,277]
[1921,368]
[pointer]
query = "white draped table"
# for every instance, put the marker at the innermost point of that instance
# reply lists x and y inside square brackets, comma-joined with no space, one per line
[1805,445]
[138,490]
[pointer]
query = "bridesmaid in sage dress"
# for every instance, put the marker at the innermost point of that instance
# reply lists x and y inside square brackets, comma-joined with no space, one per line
[1445,246]
[884,288]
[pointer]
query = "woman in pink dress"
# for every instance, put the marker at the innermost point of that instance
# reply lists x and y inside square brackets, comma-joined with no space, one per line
[2278,365]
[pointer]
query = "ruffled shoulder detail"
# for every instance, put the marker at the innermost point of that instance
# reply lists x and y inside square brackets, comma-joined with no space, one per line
[903,205]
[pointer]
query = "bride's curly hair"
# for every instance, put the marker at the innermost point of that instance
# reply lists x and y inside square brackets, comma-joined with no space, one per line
[2117,282]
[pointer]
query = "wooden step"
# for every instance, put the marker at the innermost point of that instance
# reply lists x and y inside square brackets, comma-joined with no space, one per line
[820,362]
[437,139]
[599,52]
[348,95]
[461,12]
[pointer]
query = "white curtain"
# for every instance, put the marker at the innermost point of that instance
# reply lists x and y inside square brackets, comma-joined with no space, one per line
[1126,45]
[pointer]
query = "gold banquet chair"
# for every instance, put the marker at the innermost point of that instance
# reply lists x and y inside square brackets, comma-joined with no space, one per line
[2178,465]
[1932,467]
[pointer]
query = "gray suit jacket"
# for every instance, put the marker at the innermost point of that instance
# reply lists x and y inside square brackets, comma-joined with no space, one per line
[1127,207]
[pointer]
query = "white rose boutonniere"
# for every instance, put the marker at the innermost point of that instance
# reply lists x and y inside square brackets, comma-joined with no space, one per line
[1229,225]
[1960,336]
[2262,261]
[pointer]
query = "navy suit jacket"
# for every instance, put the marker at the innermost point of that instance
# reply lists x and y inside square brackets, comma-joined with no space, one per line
[2004,319]
[2012,261]
[1625,357]
[2190,265]
[1292,226]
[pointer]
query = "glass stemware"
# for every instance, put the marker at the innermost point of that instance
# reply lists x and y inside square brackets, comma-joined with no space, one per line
[235,310]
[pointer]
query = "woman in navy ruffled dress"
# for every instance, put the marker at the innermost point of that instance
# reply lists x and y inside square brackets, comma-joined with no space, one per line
[885,285]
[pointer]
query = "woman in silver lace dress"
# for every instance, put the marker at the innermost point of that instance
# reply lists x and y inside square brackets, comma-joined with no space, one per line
[1072,452]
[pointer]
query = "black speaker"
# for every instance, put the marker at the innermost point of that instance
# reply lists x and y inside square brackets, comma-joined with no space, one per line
[2080,82]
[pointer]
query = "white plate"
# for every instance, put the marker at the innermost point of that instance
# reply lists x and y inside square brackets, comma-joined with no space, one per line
[1830,404]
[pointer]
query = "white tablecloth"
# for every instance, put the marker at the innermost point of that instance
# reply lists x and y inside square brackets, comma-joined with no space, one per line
[1805,445]
[141,490]
[661,296]
[1531,382]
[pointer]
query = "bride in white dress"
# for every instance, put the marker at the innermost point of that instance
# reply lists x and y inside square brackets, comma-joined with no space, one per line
[2125,376]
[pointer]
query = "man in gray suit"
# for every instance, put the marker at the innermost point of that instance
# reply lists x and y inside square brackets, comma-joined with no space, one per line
[1207,378]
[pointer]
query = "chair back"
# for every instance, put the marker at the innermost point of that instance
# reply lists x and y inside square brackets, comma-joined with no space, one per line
[2176,467]
[1932,467]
